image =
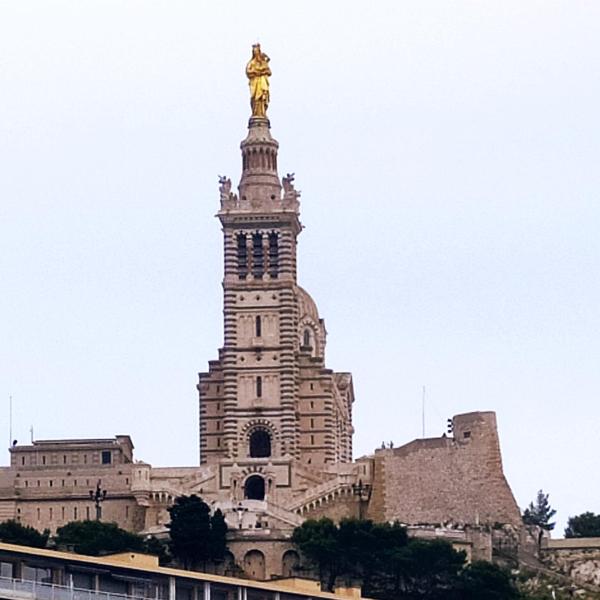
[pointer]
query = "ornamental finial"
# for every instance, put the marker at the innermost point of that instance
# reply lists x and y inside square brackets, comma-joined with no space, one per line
[258,73]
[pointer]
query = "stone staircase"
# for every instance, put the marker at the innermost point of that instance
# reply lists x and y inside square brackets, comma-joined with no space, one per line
[341,484]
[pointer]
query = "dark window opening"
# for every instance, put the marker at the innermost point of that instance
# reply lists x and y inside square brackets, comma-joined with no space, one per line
[258,326]
[106,457]
[306,339]
[273,255]
[259,387]
[242,256]
[254,489]
[260,444]
[467,434]
[258,267]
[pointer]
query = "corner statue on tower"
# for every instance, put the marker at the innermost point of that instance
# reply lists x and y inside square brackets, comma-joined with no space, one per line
[258,73]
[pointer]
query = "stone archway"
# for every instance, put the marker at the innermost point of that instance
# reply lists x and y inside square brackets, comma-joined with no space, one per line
[254,564]
[254,488]
[290,563]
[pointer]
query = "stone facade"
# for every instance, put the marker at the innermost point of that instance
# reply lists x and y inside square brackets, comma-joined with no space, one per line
[275,423]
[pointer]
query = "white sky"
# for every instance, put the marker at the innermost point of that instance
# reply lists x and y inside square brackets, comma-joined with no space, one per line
[448,157]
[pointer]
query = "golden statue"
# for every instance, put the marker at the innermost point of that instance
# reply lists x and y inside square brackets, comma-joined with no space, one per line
[258,73]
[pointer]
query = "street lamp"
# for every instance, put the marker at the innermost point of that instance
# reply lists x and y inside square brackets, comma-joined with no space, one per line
[363,492]
[98,496]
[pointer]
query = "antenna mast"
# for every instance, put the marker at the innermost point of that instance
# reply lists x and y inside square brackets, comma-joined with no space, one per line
[10,437]
[423,412]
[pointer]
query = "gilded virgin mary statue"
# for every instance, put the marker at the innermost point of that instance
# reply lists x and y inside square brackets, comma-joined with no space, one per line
[258,73]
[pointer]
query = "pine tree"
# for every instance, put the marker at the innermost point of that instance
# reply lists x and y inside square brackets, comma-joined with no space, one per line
[196,536]
[218,532]
[539,514]
[190,530]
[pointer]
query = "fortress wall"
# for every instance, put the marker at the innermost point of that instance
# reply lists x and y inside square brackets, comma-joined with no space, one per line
[437,480]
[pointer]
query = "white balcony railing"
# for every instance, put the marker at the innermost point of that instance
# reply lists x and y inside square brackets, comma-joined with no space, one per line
[16,589]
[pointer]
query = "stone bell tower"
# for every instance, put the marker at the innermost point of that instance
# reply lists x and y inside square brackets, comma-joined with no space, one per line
[268,403]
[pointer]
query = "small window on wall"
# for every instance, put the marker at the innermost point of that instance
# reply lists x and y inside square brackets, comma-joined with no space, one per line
[259,387]
[306,339]
[258,326]
[106,457]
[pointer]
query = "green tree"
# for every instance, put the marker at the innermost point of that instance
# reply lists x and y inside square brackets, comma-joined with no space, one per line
[196,537]
[586,524]
[218,535]
[152,545]
[539,514]
[381,556]
[12,532]
[422,569]
[485,581]
[96,538]
[318,540]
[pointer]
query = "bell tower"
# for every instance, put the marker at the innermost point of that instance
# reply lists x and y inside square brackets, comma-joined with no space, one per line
[260,226]
[268,402]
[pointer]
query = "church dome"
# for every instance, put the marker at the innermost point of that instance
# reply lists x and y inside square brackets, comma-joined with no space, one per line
[306,305]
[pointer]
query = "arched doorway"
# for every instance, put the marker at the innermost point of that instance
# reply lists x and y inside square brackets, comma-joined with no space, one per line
[254,488]
[254,564]
[228,567]
[290,563]
[260,444]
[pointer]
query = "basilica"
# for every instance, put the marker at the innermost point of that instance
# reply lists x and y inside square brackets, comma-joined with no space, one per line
[275,423]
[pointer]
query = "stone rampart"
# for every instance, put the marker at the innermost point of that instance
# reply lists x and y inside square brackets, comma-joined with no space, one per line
[577,558]
[456,479]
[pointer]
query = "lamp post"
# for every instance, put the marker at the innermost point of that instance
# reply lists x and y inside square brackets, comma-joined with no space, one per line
[240,510]
[363,492]
[98,496]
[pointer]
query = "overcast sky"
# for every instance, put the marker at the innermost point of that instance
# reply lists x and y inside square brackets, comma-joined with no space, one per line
[448,154]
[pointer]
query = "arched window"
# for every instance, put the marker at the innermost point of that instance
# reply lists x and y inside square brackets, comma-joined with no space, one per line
[254,489]
[259,387]
[258,326]
[306,339]
[258,262]
[273,255]
[260,444]
[242,255]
